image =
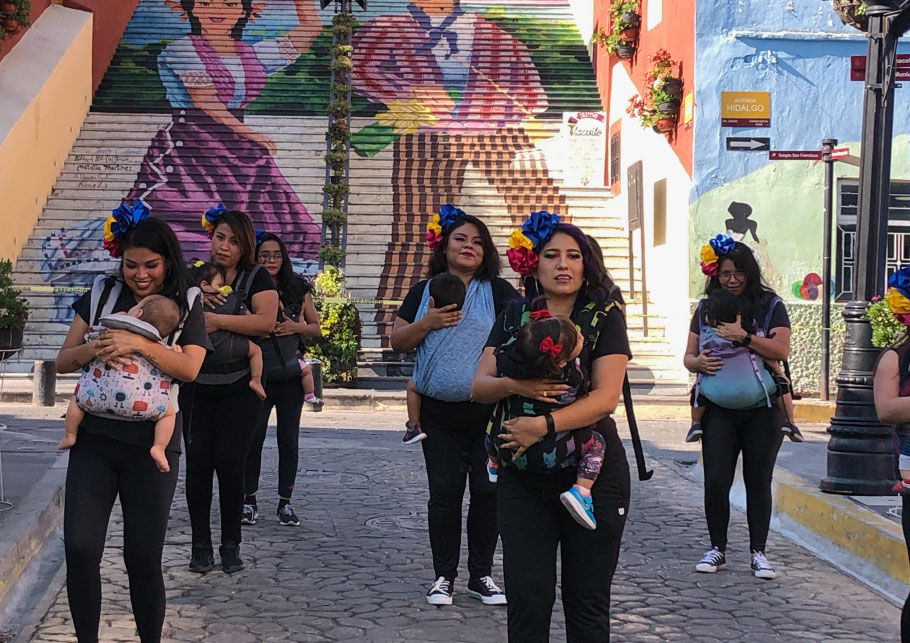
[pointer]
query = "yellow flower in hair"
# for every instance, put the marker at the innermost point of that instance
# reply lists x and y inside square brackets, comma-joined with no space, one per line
[433,225]
[206,224]
[198,263]
[225,290]
[897,302]
[519,240]
[707,255]
[108,235]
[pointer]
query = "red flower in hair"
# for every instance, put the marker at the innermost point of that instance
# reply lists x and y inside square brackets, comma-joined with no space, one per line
[543,313]
[549,347]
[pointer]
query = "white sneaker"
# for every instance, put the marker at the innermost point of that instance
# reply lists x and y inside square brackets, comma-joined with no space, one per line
[441,592]
[486,590]
[761,567]
[713,560]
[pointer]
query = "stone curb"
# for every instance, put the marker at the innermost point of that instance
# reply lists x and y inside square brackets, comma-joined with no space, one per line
[852,537]
[29,523]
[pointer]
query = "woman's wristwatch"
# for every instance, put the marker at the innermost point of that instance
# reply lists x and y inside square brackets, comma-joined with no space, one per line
[551,425]
[745,341]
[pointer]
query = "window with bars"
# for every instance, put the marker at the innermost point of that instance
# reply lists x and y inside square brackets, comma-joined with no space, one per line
[615,158]
[898,233]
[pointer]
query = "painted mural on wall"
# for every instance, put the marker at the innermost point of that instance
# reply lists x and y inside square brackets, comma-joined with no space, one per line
[444,85]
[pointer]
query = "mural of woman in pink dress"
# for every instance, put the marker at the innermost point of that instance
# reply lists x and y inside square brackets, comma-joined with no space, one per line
[207,154]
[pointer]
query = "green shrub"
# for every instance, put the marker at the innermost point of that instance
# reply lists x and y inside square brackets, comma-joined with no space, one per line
[339,345]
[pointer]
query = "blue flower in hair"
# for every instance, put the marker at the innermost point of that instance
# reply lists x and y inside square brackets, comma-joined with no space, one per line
[539,227]
[211,216]
[722,244]
[448,215]
[258,234]
[122,219]
[900,281]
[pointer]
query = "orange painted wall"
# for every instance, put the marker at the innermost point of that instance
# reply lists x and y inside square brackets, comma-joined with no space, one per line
[38,7]
[676,34]
[110,18]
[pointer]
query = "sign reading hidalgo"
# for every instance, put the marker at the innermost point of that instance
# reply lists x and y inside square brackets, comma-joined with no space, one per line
[745,109]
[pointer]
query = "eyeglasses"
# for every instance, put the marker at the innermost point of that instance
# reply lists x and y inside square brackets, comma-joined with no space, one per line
[270,256]
[727,275]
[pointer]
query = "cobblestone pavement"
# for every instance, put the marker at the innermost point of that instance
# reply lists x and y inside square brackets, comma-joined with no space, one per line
[359,564]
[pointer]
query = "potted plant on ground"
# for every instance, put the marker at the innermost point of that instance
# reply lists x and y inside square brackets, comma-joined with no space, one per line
[625,22]
[852,12]
[13,312]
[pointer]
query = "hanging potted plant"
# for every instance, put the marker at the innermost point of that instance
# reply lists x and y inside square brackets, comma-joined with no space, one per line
[13,312]
[852,12]
[14,14]
[658,108]
[625,23]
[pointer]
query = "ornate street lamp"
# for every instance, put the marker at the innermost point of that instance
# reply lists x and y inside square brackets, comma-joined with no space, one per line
[861,457]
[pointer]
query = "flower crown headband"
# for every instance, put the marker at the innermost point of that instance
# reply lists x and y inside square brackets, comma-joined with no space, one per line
[122,219]
[712,251]
[525,242]
[442,223]
[210,218]
[898,297]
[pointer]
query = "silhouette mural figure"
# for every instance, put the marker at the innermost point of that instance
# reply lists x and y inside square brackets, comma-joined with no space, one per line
[741,223]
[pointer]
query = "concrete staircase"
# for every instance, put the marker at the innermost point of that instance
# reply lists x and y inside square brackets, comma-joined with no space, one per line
[64,251]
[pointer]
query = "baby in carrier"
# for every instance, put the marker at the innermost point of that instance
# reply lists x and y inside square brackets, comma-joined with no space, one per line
[746,380]
[548,347]
[135,391]
[228,346]
[445,289]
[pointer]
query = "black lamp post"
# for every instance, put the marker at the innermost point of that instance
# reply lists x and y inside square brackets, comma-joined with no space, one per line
[860,452]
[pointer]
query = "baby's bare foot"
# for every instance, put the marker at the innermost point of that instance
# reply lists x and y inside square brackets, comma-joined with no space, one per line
[160,459]
[256,385]
[67,442]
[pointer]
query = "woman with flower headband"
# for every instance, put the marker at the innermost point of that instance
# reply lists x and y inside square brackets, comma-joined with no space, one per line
[557,262]
[449,344]
[221,407]
[891,388]
[110,459]
[752,427]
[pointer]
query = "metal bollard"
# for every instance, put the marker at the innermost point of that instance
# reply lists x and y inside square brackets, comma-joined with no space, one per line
[45,392]
[316,368]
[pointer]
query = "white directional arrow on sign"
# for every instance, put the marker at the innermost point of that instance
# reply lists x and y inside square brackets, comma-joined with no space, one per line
[750,144]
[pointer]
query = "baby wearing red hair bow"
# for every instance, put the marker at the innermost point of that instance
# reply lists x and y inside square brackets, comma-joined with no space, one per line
[548,347]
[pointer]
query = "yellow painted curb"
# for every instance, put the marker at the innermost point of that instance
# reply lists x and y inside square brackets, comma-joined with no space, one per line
[814,411]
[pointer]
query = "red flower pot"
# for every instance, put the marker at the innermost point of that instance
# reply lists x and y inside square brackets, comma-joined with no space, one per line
[664,125]
[629,33]
[11,26]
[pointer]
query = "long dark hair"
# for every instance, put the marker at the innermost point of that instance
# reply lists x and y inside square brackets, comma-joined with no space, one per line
[236,31]
[489,267]
[597,285]
[156,235]
[756,293]
[242,227]
[292,288]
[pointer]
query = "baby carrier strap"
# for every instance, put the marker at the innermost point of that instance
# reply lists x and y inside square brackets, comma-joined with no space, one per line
[192,294]
[105,292]
[766,326]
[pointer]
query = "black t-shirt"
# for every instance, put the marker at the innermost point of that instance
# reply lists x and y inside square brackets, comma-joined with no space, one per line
[454,415]
[779,317]
[141,433]
[612,340]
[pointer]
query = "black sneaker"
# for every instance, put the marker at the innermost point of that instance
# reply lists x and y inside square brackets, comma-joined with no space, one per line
[413,434]
[761,567]
[441,592]
[486,590]
[230,558]
[792,432]
[250,515]
[287,517]
[713,560]
[202,560]
[695,433]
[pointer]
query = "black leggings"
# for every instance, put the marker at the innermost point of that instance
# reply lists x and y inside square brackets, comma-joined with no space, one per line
[100,469]
[905,523]
[219,426]
[532,523]
[756,433]
[453,457]
[287,398]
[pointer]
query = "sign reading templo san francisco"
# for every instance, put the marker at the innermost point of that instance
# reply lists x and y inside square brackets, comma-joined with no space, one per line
[745,109]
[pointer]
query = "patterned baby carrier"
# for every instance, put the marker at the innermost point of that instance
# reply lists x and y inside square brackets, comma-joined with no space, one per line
[562,450]
[138,391]
[743,381]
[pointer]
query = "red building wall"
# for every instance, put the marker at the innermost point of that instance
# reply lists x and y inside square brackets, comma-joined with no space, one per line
[676,34]
[109,18]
